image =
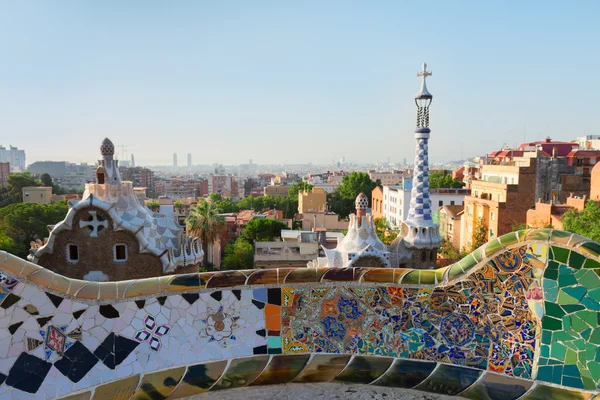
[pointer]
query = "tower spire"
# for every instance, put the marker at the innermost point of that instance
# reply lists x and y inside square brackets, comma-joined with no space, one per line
[423,234]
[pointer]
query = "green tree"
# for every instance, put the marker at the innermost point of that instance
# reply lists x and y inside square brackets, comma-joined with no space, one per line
[46,180]
[15,184]
[205,222]
[584,222]
[442,179]
[238,255]
[263,229]
[24,222]
[342,200]
[296,187]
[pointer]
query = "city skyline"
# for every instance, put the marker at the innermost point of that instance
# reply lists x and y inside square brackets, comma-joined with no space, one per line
[232,83]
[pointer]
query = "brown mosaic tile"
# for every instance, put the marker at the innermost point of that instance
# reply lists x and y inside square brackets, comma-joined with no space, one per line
[379,275]
[305,275]
[226,278]
[364,369]
[323,368]
[158,384]
[89,291]
[342,275]
[122,288]
[59,283]
[281,369]
[142,287]
[241,372]
[184,282]
[199,379]
[263,277]
[78,396]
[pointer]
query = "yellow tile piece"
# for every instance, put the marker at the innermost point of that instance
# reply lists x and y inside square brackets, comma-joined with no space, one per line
[118,390]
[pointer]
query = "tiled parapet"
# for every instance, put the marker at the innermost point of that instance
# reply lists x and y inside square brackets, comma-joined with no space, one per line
[517,317]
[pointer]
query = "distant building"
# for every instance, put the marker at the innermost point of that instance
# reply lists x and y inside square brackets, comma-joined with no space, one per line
[4,174]
[192,188]
[449,220]
[387,178]
[174,159]
[314,200]
[287,253]
[37,194]
[139,176]
[13,156]
[276,190]
[225,185]
[328,221]
[377,202]
[589,142]
[189,160]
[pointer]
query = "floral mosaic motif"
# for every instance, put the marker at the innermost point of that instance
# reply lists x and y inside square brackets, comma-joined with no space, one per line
[219,326]
[152,333]
[457,329]
[7,284]
[55,342]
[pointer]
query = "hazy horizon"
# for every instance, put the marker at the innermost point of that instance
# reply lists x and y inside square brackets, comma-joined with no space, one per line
[292,83]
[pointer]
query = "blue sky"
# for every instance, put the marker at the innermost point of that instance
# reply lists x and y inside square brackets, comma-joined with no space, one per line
[293,81]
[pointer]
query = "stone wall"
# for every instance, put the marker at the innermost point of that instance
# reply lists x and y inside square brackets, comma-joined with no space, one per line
[519,315]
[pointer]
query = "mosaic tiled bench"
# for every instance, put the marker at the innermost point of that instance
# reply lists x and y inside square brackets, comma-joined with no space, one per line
[517,318]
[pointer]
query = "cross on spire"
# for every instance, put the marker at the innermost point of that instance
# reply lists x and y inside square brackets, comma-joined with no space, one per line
[424,73]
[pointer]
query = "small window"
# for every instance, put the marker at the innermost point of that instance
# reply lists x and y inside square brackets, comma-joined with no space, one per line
[120,252]
[441,203]
[451,202]
[72,253]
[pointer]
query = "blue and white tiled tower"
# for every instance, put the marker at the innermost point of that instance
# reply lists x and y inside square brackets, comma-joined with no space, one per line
[422,234]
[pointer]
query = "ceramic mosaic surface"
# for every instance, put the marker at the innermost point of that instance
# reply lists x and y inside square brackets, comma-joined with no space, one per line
[518,318]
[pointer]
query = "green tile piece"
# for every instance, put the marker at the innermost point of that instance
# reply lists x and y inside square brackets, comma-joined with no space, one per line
[585,334]
[545,351]
[558,351]
[478,254]
[552,324]
[594,368]
[546,337]
[592,248]
[427,277]
[553,310]
[576,292]
[454,272]
[571,308]
[492,247]
[595,338]
[413,277]
[570,357]
[550,273]
[508,239]
[572,382]
[590,281]
[589,317]
[576,260]
[577,324]
[566,279]
[590,303]
[564,298]
[593,293]
[560,254]
[591,264]
[538,234]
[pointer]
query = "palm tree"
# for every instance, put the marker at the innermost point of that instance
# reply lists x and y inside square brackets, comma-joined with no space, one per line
[205,222]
